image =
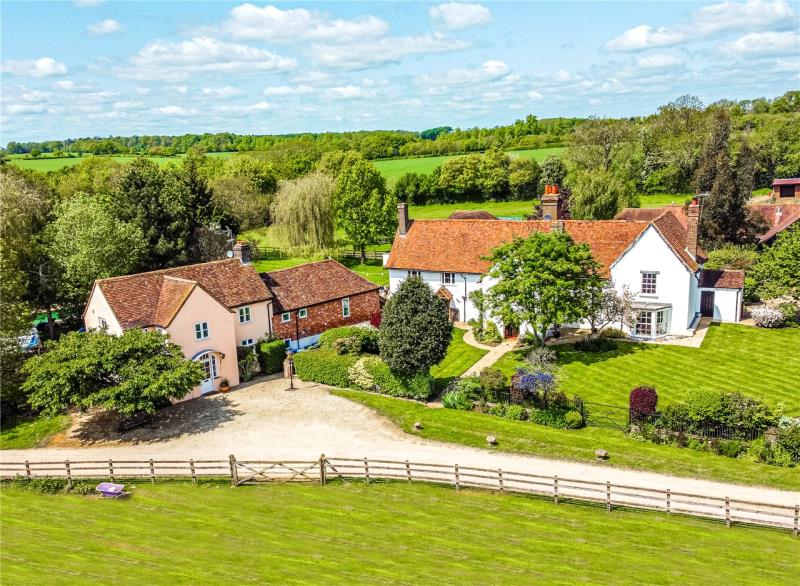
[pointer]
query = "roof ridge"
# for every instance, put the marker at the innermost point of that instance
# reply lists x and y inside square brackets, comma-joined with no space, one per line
[311,262]
[159,271]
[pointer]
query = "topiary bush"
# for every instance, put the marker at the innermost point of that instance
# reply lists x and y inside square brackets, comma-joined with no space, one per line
[488,334]
[766,317]
[573,419]
[642,403]
[324,366]
[271,354]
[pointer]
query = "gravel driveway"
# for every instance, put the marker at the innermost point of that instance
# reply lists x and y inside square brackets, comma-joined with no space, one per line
[264,421]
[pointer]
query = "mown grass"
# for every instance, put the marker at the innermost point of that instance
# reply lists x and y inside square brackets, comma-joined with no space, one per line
[658,200]
[393,169]
[379,533]
[757,362]
[470,429]
[31,433]
[45,163]
[460,356]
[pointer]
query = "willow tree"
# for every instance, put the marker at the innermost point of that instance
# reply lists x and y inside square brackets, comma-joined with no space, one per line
[303,211]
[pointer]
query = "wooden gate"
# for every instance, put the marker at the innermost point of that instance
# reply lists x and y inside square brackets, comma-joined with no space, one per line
[251,472]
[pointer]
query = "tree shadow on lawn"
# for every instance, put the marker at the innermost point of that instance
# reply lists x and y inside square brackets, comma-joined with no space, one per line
[568,354]
[187,418]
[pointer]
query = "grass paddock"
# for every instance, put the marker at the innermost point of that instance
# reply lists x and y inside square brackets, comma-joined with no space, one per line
[177,533]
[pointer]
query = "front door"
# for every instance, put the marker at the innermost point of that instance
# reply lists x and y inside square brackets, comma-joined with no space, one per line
[707,303]
[209,364]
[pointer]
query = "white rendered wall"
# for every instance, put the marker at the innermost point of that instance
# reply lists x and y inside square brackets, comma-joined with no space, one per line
[726,304]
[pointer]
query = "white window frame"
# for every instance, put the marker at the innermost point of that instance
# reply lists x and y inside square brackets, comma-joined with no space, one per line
[644,327]
[288,342]
[201,331]
[102,324]
[286,317]
[247,342]
[245,315]
[649,283]
[302,313]
[662,322]
[448,278]
[414,274]
[346,307]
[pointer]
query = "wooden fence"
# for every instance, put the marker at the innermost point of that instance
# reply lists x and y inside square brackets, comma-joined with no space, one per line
[245,472]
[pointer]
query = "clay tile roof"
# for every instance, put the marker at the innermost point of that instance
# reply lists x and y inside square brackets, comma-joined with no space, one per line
[650,214]
[153,299]
[471,215]
[721,279]
[460,246]
[675,234]
[788,216]
[313,283]
[791,181]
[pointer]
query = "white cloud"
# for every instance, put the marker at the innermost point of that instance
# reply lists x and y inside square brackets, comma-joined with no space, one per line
[270,23]
[768,43]
[87,3]
[181,89]
[104,27]
[243,110]
[658,61]
[167,60]
[35,96]
[492,96]
[141,91]
[380,51]
[706,22]
[349,92]
[43,67]
[127,105]
[490,70]
[223,93]
[25,109]
[313,77]
[457,15]
[534,95]
[68,85]
[173,111]
[286,90]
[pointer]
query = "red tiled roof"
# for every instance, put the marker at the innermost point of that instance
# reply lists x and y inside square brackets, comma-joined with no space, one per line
[650,214]
[674,233]
[313,283]
[721,279]
[790,181]
[471,215]
[778,216]
[460,245]
[154,298]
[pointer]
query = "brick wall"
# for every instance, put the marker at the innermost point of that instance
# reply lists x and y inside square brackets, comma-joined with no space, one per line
[326,316]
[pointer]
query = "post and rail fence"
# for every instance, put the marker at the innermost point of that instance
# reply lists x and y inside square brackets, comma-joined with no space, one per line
[324,469]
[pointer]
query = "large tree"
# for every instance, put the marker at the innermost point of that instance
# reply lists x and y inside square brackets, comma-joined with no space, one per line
[365,211]
[599,143]
[415,328]
[303,211]
[137,371]
[542,280]
[777,271]
[599,195]
[87,242]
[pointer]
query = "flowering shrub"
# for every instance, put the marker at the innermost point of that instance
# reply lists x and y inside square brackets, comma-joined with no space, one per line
[461,393]
[766,317]
[359,375]
[643,401]
[532,386]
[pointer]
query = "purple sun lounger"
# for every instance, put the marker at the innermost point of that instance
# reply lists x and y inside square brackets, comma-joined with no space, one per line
[111,490]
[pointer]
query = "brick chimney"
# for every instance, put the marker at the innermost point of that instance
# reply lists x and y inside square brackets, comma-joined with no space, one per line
[242,251]
[552,204]
[403,223]
[693,227]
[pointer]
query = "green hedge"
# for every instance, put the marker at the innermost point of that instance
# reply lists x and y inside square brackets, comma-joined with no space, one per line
[271,356]
[355,339]
[386,382]
[324,366]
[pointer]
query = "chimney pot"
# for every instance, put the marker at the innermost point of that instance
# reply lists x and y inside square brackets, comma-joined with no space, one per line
[242,251]
[693,228]
[552,205]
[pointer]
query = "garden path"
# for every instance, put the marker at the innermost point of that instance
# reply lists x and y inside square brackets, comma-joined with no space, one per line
[265,421]
[494,354]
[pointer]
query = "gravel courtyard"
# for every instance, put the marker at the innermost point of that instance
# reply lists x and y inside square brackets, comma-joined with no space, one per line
[265,421]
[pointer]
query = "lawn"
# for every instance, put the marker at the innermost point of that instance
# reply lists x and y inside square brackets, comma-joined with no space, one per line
[393,169]
[658,200]
[176,533]
[757,362]
[460,356]
[470,428]
[32,433]
[45,163]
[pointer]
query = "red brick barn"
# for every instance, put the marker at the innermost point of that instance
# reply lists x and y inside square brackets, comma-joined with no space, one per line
[317,296]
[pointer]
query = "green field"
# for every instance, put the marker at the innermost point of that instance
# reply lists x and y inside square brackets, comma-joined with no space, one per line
[732,358]
[658,200]
[470,429]
[393,169]
[31,433]
[45,163]
[460,356]
[176,533]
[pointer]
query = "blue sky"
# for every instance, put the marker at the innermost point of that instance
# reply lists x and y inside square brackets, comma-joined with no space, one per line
[94,68]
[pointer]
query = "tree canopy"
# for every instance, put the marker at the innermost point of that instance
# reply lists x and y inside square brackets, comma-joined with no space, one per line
[542,280]
[137,371]
[415,328]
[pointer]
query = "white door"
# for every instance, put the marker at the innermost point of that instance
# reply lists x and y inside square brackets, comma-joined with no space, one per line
[209,363]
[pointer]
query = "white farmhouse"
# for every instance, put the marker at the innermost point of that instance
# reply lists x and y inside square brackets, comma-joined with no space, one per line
[659,260]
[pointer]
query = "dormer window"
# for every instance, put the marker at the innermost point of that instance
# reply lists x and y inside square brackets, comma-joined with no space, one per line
[649,283]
